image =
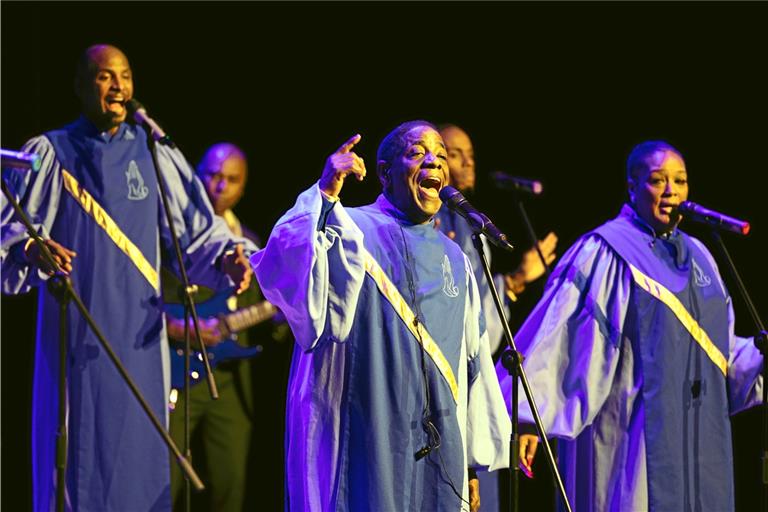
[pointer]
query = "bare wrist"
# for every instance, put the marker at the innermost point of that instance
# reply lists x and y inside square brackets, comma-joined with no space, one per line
[327,195]
[517,282]
[175,329]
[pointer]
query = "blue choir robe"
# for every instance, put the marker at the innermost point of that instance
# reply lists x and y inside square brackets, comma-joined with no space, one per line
[116,459]
[357,390]
[641,407]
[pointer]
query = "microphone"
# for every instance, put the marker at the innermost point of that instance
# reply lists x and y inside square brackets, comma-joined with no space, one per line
[139,114]
[479,222]
[20,160]
[507,182]
[423,452]
[698,213]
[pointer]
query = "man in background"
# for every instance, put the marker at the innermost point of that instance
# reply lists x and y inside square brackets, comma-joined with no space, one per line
[463,177]
[223,428]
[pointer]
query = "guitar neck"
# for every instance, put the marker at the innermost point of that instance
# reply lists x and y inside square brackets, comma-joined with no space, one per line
[249,316]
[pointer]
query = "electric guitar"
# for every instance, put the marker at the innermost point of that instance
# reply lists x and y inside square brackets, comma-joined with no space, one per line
[228,349]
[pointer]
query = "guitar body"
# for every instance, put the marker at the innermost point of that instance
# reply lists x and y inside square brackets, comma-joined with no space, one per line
[213,306]
[226,350]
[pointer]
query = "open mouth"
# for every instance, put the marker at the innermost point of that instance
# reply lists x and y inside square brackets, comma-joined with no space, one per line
[116,105]
[667,208]
[430,186]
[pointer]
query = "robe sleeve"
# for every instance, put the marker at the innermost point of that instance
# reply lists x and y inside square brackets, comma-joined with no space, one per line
[745,363]
[38,194]
[571,340]
[488,426]
[312,269]
[203,236]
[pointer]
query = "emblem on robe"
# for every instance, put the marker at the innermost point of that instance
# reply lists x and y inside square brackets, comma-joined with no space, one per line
[699,277]
[137,190]
[449,287]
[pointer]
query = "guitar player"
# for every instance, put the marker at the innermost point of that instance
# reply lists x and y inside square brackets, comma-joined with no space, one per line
[248,416]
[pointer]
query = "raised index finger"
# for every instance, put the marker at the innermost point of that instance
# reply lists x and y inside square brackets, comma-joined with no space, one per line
[347,146]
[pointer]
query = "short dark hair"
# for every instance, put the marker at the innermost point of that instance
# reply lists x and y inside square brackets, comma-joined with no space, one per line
[636,158]
[394,143]
[441,127]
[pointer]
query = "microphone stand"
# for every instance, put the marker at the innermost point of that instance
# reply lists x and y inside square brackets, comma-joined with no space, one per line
[189,307]
[61,288]
[512,360]
[761,342]
[535,241]
[531,232]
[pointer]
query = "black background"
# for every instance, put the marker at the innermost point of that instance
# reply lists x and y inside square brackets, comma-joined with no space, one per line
[556,91]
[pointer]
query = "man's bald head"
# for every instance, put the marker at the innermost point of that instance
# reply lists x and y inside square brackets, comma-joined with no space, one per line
[224,171]
[89,59]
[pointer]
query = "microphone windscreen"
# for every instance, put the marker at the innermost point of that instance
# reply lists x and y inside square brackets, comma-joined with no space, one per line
[448,194]
[133,106]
